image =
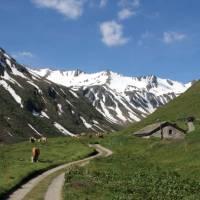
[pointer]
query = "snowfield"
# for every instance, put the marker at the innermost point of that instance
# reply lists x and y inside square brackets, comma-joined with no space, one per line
[116,82]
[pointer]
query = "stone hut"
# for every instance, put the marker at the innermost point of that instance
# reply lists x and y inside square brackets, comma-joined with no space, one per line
[161,130]
[190,123]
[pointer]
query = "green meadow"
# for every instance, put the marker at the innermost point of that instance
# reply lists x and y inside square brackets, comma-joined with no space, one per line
[15,159]
[140,169]
[150,169]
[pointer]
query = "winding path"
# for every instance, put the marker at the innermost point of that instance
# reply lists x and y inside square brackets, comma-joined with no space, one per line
[55,188]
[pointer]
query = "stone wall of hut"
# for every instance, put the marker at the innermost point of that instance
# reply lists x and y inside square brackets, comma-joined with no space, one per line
[169,132]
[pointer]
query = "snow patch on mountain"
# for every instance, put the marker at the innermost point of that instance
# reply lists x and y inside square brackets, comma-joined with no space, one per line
[86,124]
[74,94]
[63,130]
[34,130]
[34,85]
[44,114]
[10,134]
[60,110]
[11,80]
[12,92]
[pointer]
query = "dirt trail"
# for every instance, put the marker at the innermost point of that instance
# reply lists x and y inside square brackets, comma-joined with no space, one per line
[55,189]
[58,182]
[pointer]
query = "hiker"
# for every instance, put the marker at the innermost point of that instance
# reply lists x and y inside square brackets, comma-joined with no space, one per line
[35,154]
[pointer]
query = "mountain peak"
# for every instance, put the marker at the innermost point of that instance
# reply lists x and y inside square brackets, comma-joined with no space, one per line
[9,65]
[78,72]
[117,82]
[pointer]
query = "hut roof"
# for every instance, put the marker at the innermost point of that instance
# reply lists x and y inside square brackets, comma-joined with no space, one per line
[152,128]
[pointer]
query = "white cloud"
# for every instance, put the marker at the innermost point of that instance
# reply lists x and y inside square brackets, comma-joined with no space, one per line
[112,33]
[23,54]
[171,37]
[125,13]
[69,8]
[128,8]
[103,3]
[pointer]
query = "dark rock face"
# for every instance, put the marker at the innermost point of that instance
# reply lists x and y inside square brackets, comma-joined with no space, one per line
[152,83]
[34,105]
[169,82]
[52,93]
[2,69]
[3,64]
[78,72]
[22,69]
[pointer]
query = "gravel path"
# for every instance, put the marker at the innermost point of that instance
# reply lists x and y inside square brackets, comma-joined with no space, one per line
[54,193]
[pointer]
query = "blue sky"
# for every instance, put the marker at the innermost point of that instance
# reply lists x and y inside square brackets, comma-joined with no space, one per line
[132,37]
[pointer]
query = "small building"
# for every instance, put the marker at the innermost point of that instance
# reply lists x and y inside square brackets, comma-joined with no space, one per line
[161,130]
[190,123]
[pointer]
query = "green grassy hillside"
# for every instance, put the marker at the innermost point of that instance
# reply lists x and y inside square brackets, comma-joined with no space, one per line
[150,169]
[15,160]
[140,169]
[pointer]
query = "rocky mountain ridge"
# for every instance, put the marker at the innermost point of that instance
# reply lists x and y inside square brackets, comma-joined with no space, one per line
[120,99]
[34,106]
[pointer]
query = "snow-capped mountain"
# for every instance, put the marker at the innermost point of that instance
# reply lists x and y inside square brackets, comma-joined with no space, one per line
[34,106]
[118,98]
[42,102]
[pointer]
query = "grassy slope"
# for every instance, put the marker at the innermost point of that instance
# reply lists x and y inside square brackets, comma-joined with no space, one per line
[15,159]
[145,169]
